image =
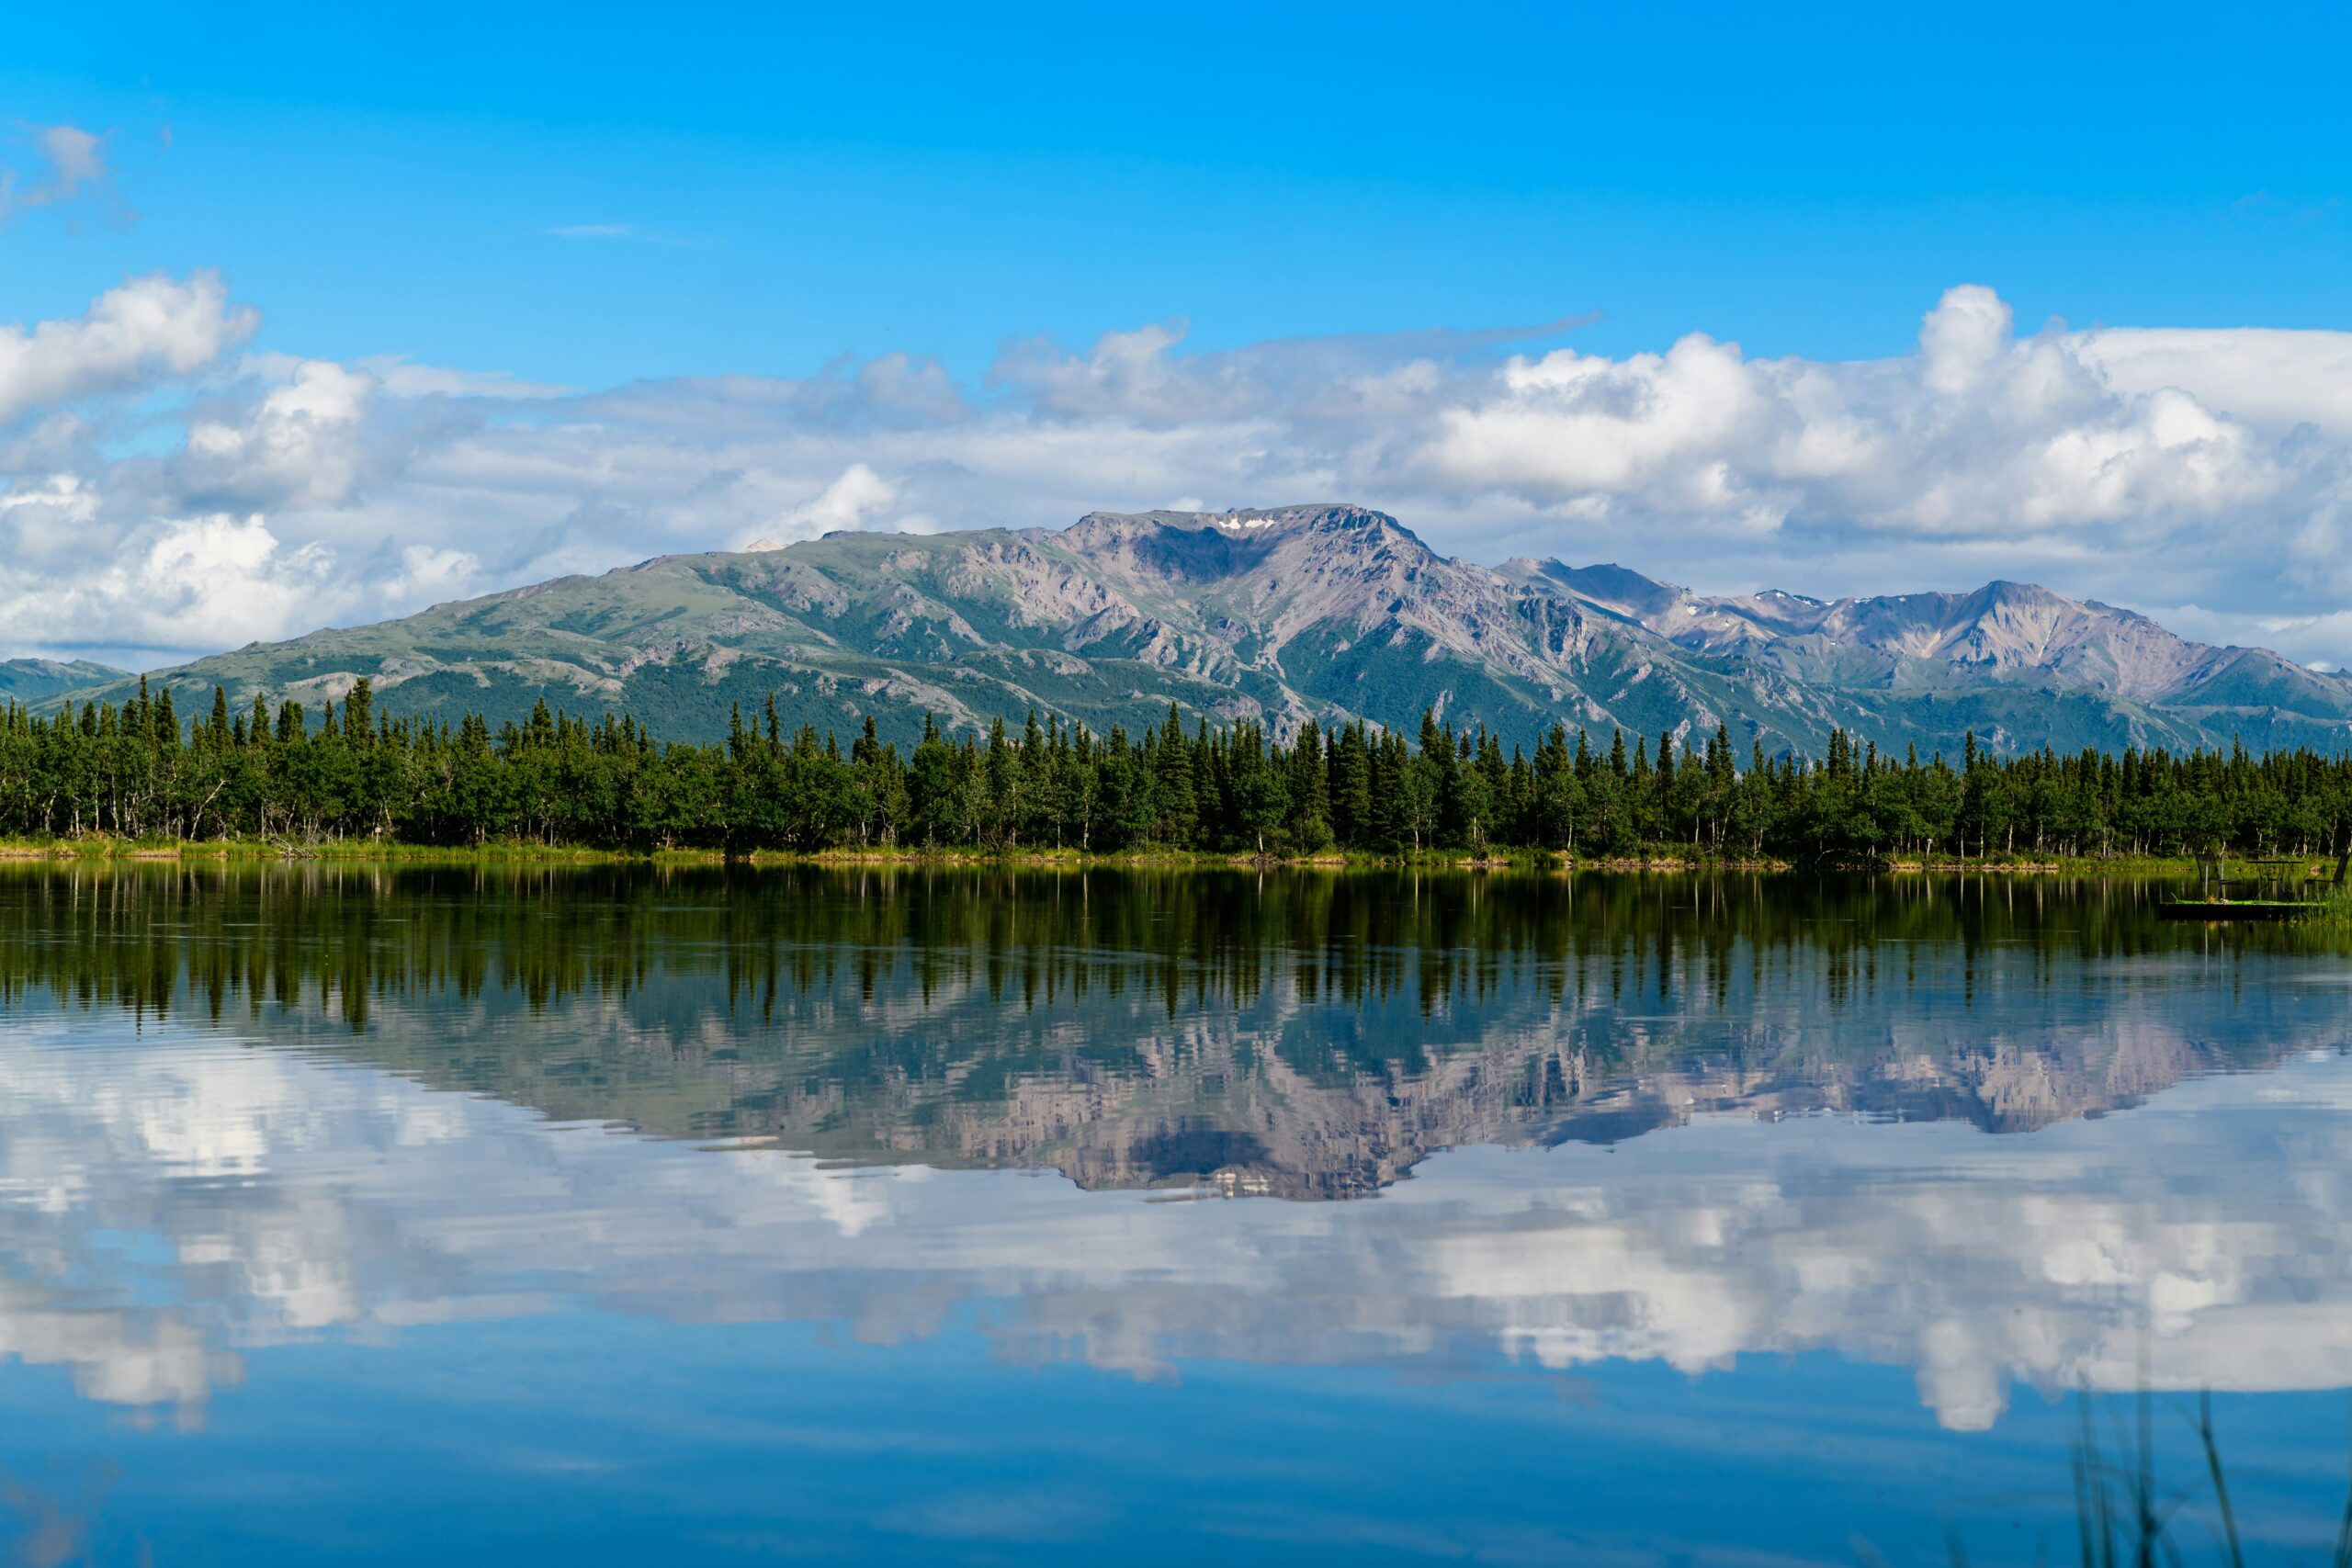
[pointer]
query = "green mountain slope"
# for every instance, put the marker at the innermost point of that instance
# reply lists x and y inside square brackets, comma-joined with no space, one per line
[1327,613]
[38,681]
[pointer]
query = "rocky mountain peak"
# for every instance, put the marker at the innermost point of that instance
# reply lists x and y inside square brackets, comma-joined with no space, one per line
[1618,590]
[2004,628]
[1272,545]
[1329,519]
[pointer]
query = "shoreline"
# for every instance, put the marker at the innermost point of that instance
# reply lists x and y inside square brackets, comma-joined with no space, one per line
[1538,862]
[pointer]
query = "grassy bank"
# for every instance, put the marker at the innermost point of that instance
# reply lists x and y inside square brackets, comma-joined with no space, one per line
[340,850]
[1658,859]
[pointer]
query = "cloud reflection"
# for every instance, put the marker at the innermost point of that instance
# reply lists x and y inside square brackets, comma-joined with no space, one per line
[174,1201]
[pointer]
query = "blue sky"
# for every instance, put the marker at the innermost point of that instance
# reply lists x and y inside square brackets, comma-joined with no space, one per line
[800,184]
[323,314]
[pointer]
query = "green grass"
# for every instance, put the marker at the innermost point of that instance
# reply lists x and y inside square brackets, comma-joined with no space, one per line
[2337,904]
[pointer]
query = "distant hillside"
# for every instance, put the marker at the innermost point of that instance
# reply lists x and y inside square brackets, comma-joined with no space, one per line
[1328,612]
[37,681]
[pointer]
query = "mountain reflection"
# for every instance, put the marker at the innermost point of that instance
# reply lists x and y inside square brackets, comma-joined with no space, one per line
[226,1125]
[1301,1035]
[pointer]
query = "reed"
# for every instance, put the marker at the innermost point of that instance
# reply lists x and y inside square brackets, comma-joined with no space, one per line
[2126,1517]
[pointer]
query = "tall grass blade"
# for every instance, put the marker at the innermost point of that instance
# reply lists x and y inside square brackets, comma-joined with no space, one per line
[2221,1483]
[2343,1557]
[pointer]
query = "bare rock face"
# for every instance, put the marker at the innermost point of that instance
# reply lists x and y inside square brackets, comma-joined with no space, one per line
[1328,613]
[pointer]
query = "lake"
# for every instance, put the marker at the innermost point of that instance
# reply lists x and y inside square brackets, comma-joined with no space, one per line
[635,1214]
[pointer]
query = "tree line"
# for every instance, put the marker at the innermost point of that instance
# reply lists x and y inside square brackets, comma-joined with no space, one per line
[141,771]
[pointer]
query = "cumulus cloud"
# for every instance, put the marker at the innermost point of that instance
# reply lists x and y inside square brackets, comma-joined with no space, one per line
[2271,380]
[45,520]
[212,582]
[134,335]
[2203,471]
[298,446]
[856,499]
[1978,436]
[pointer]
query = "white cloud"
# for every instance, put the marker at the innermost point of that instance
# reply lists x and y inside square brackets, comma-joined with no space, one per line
[2149,468]
[1964,339]
[2271,380]
[398,376]
[855,499]
[134,335]
[299,446]
[215,582]
[1128,374]
[427,574]
[1978,434]
[1571,426]
[47,521]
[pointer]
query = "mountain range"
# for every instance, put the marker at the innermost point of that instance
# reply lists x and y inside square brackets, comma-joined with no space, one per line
[1327,613]
[38,681]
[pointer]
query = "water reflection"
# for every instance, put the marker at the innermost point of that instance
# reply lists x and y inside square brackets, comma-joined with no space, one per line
[1300,1035]
[1644,1120]
[273,1195]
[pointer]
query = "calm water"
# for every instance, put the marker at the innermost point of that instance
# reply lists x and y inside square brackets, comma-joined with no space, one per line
[629,1217]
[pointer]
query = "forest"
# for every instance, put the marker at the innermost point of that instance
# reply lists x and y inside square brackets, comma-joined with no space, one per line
[144,772]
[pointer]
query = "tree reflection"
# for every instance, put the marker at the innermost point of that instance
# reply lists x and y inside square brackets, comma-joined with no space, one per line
[1296,1032]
